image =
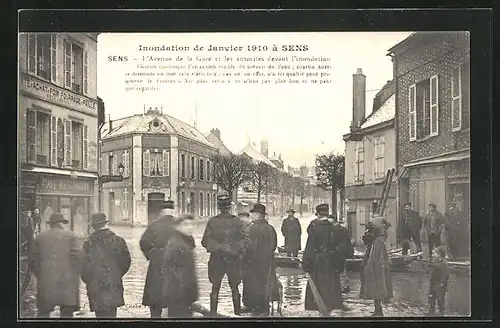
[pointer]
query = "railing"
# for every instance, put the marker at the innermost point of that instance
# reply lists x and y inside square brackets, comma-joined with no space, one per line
[41,159]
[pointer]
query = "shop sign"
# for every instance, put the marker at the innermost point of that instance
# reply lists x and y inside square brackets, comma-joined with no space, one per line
[64,186]
[57,95]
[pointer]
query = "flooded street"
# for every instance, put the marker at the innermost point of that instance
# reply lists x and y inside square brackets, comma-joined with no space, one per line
[410,288]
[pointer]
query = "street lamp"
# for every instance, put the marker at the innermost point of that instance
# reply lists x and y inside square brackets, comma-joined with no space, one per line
[102,179]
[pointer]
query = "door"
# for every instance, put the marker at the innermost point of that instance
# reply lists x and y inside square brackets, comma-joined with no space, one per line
[111,207]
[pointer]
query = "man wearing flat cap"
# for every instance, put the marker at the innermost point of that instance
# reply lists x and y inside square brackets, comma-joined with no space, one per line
[225,239]
[433,224]
[56,265]
[153,243]
[291,230]
[323,259]
[259,259]
[106,259]
[411,223]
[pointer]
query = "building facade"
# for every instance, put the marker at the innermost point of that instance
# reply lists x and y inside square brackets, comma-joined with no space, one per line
[160,155]
[370,151]
[432,76]
[58,114]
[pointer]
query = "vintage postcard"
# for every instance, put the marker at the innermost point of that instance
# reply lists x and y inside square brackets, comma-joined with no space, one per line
[201,175]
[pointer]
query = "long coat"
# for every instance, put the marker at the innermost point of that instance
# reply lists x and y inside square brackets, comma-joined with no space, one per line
[376,282]
[291,230]
[106,259]
[56,263]
[153,243]
[411,223]
[180,284]
[259,261]
[324,256]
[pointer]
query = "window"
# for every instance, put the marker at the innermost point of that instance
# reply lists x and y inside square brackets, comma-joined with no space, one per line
[156,164]
[75,68]
[183,202]
[193,168]
[145,163]
[38,137]
[209,209]
[423,104]
[379,158]
[209,172]
[183,165]
[201,204]
[126,164]
[359,170]
[125,209]
[42,52]
[77,151]
[166,163]
[60,142]
[111,169]
[202,170]
[460,92]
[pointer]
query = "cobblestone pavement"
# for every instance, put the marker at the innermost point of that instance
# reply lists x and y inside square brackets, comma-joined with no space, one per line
[410,288]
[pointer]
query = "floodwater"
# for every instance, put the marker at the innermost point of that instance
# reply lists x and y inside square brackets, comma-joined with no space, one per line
[410,287]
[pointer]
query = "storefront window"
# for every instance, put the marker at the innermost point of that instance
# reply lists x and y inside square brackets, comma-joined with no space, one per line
[80,215]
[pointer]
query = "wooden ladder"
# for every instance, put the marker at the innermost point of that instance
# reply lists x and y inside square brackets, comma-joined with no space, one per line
[385,192]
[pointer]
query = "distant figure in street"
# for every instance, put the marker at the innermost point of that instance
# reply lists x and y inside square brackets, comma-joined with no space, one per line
[224,238]
[153,243]
[247,222]
[37,221]
[259,259]
[291,230]
[455,228]
[376,282]
[411,223]
[28,222]
[439,280]
[56,264]
[180,284]
[106,260]
[434,224]
[324,258]
[344,234]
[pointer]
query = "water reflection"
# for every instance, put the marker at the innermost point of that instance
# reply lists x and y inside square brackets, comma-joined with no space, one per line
[292,289]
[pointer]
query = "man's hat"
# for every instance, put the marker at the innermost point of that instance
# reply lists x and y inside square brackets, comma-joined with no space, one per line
[244,214]
[432,205]
[259,208]
[168,204]
[291,211]
[223,201]
[56,218]
[408,203]
[98,218]
[323,209]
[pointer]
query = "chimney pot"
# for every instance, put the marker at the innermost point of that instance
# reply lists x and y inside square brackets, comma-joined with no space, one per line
[359,71]
[358,98]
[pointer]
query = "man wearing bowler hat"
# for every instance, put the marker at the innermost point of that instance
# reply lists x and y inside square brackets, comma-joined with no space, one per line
[153,243]
[56,265]
[291,230]
[106,259]
[225,239]
[259,259]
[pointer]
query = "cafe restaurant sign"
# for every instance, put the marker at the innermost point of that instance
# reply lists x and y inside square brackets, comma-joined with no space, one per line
[57,95]
[64,186]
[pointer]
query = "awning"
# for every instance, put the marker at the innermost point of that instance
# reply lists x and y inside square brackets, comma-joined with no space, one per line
[47,170]
[454,158]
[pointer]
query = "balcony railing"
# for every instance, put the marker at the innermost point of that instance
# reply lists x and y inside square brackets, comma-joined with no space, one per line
[42,159]
[76,164]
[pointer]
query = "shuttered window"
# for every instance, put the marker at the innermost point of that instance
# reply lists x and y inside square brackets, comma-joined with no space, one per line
[202,170]
[42,56]
[379,157]
[68,145]
[85,72]
[166,163]
[359,167]
[183,165]
[145,163]
[434,105]
[31,135]
[115,165]
[76,66]
[209,172]
[193,168]
[412,112]
[53,141]
[456,96]
[126,164]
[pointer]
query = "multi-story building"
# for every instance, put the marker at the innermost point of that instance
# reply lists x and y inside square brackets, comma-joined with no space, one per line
[432,77]
[369,152]
[58,117]
[161,155]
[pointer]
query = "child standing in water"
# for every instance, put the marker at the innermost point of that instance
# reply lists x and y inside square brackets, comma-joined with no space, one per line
[439,280]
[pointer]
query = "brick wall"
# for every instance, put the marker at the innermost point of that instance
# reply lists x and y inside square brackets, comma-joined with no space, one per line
[437,54]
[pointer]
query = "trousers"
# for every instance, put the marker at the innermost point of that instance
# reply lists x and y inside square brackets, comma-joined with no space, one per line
[108,313]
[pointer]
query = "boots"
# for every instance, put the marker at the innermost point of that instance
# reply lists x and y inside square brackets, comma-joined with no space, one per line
[378,310]
[214,300]
[236,303]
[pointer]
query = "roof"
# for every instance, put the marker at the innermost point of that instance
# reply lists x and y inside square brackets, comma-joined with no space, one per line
[384,113]
[256,155]
[218,143]
[417,37]
[141,123]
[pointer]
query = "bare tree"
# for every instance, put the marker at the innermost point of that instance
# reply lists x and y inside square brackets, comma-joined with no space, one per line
[230,171]
[260,174]
[330,174]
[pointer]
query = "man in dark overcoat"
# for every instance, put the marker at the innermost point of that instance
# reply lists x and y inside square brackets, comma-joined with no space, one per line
[106,259]
[152,244]
[344,239]
[291,230]
[410,224]
[455,228]
[56,263]
[225,239]
[245,218]
[434,224]
[324,258]
[259,258]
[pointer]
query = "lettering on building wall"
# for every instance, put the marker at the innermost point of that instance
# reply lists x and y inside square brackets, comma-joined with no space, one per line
[58,185]
[92,156]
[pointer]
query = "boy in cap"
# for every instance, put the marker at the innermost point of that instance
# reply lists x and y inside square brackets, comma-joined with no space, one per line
[439,280]
[106,259]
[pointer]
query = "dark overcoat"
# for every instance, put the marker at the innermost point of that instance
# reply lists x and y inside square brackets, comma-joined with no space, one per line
[411,223]
[326,249]
[259,263]
[152,244]
[180,284]
[56,263]
[291,230]
[440,274]
[456,227]
[106,259]
[225,234]
[245,266]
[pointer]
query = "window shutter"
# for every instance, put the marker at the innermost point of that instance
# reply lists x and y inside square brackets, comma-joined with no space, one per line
[145,164]
[377,142]
[126,164]
[85,147]
[53,58]
[456,99]
[53,141]
[32,53]
[115,164]
[166,166]
[208,171]
[68,145]
[412,111]
[85,71]
[382,157]
[31,135]
[104,166]
[67,64]
[434,101]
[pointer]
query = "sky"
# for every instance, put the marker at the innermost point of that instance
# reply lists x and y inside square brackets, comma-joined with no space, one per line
[298,121]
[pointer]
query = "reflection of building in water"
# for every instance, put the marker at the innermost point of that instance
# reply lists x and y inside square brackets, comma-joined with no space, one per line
[292,290]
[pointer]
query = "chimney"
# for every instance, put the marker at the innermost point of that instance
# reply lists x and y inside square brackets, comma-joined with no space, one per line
[264,147]
[110,123]
[358,98]
[216,132]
